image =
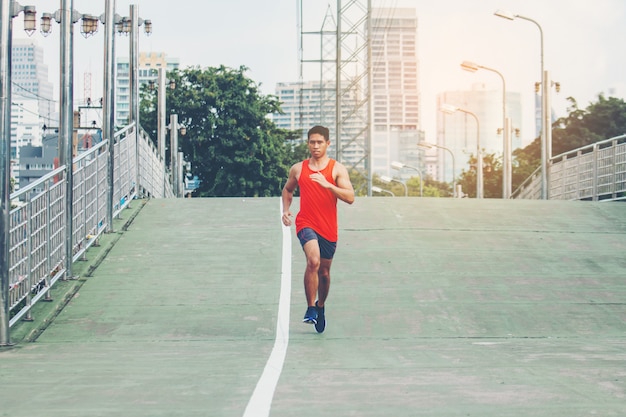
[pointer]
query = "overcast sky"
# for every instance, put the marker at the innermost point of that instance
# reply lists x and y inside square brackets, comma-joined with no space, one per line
[584,43]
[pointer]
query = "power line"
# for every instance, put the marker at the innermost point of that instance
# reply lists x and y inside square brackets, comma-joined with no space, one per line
[32,112]
[34,94]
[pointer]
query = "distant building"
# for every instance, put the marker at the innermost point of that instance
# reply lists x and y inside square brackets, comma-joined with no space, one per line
[32,105]
[148,63]
[395,91]
[312,103]
[302,106]
[37,161]
[458,131]
[29,77]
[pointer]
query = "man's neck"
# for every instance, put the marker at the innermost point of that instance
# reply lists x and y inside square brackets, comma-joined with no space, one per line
[319,163]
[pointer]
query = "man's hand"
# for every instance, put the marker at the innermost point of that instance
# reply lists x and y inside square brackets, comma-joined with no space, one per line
[287,218]
[319,178]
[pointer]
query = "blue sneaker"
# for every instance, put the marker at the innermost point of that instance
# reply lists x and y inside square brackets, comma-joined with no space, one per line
[310,316]
[321,319]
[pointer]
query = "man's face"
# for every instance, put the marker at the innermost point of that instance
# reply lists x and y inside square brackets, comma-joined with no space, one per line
[318,145]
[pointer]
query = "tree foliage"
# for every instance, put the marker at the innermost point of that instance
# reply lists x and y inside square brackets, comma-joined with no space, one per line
[601,120]
[431,188]
[492,177]
[233,147]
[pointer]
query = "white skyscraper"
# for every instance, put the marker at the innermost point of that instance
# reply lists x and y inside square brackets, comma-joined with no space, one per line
[305,105]
[302,106]
[29,76]
[32,105]
[395,92]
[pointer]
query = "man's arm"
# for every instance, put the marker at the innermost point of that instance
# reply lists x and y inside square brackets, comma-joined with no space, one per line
[287,195]
[345,191]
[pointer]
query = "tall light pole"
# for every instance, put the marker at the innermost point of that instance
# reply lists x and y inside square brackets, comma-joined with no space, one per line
[546,131]
[506,132]
[136,21]
[432,145]
[8,10]
[66,16]
[449,109]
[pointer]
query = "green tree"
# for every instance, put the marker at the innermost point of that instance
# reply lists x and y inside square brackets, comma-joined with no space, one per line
[601,120]
[431,187]
[234,148]
[492,177]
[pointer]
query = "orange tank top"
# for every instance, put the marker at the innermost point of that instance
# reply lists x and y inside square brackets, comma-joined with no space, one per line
[318,206]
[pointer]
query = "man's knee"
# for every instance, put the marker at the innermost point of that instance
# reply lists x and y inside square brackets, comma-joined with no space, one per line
[324,273]
[313,263]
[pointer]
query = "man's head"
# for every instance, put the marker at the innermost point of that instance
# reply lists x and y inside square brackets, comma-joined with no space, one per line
[320,130]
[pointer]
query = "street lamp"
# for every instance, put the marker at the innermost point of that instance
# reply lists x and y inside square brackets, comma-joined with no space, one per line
[90,23]
[427,145]
[30,13]
[449,109]
[546,132]
[382,190]
[399,165]
[506,132]
[387,180]
[8,10]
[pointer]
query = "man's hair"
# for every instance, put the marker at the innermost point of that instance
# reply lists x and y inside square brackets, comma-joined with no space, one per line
[320,130]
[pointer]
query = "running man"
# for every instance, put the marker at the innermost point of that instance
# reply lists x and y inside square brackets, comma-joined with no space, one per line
[322,181]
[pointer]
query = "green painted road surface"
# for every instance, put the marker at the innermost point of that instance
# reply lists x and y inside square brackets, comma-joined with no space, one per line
[438,307]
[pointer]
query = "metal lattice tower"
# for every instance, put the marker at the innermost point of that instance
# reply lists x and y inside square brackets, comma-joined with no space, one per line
[345,81]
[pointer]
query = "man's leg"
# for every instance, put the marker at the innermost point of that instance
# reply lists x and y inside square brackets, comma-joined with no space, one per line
[311,282]
[323,275]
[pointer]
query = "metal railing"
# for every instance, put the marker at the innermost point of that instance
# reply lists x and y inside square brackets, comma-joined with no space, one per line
[37,220]
[595,172]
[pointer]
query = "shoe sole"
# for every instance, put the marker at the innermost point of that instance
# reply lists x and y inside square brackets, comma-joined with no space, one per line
[309,321]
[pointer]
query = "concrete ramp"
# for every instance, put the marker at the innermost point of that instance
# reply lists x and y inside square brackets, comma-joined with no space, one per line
[438,307]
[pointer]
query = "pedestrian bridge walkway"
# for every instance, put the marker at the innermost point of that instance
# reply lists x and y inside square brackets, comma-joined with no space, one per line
[438,307]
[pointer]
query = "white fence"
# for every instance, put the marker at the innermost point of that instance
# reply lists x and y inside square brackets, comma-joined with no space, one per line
[595,172]
[38,232]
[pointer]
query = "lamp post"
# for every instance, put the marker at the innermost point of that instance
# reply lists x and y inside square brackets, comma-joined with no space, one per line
[382,190]
[506,132]
[399,165]
[546,131]
[175,156]
[135,22]
[449,109]
[8,10]
[387,180]
[432,145]
[66,16]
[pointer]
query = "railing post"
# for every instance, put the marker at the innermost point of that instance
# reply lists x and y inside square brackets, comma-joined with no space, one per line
[108,118]
[5,166]
[66,124]
[594,189]
[134,88]
[162,125]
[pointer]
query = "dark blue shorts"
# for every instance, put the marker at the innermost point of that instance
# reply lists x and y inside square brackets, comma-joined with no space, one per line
[327,248]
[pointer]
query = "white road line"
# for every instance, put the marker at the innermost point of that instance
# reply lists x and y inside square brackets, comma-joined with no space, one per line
[261,400]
